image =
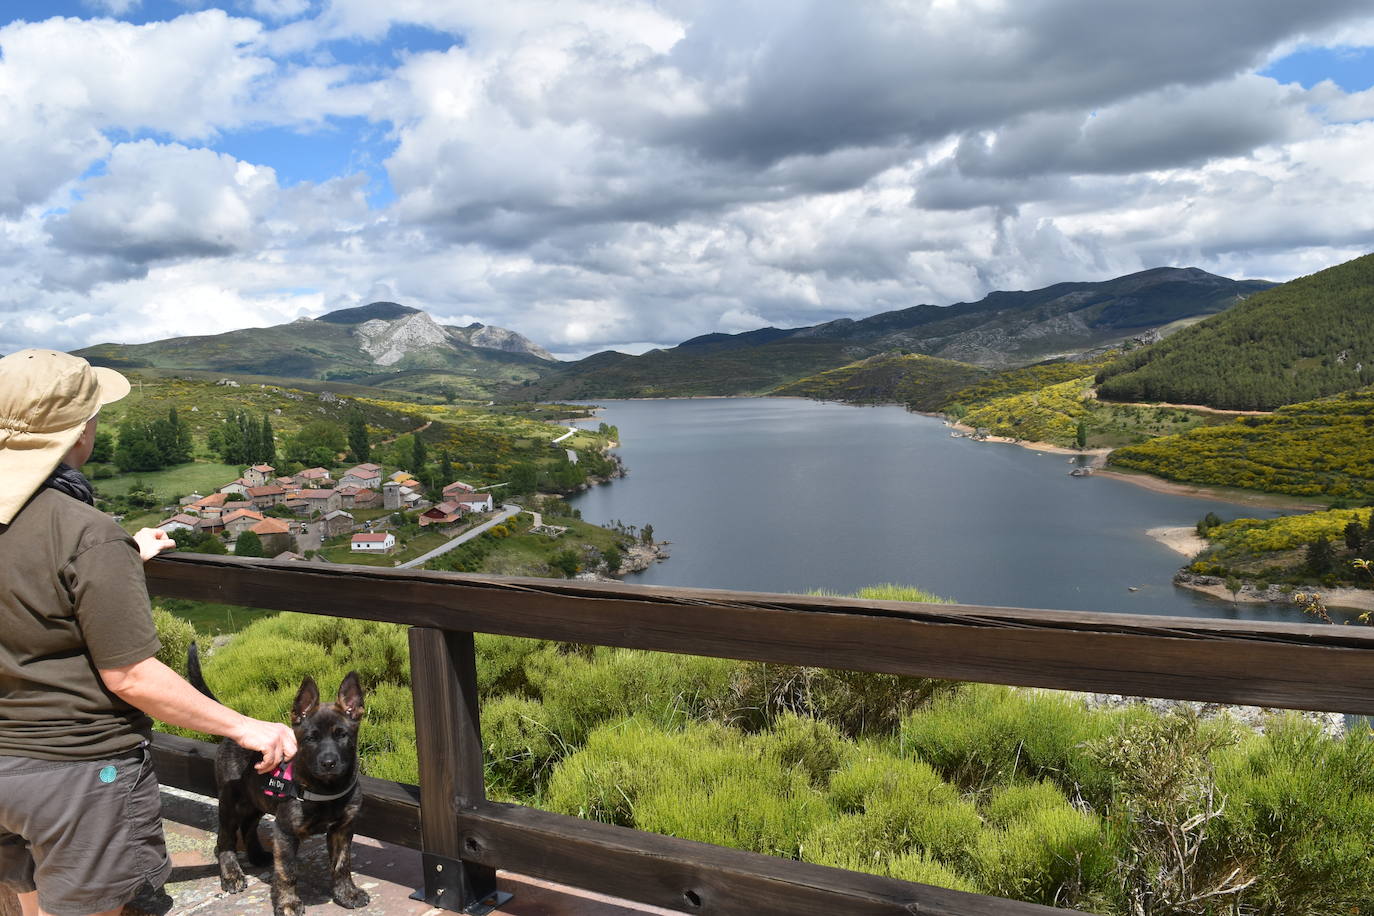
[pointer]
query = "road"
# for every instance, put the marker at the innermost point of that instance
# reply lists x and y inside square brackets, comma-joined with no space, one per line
[508,510]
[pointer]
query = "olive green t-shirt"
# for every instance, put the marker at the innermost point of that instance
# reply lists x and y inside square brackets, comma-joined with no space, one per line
[72,600]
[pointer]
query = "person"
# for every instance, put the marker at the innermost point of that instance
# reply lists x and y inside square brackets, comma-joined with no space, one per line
[80,819]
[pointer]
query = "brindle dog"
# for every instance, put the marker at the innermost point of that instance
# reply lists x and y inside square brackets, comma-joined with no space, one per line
[320,795]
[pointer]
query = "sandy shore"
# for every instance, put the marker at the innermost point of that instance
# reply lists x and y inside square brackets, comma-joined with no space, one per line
[1220,494]
[1352,598]
[1183,539]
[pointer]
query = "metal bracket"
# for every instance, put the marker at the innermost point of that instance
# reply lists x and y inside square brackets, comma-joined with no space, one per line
[450,885]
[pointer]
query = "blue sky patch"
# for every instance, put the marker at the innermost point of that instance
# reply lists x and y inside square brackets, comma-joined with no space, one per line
[1350,68]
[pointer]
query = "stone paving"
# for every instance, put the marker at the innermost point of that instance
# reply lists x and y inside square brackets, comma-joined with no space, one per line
[388,873]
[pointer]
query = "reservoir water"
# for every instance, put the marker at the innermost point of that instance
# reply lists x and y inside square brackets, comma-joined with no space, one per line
[788,495]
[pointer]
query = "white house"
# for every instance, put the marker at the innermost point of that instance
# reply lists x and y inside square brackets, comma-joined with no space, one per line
[180,522]
[382,542]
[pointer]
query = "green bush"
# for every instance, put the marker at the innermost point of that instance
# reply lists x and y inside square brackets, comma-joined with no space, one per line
[705,782]
[814,747]
[1299,810]
[982,736]
[581,692]
[1044,850]
[906,805]
[518,746]
[176,636]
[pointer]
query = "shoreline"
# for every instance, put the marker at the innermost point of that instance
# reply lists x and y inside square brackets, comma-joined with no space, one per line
[1098,460]
[1355,599]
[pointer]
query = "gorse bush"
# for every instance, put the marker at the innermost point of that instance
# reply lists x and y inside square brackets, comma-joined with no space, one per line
[984,736]
[1299,806]
[1019,793]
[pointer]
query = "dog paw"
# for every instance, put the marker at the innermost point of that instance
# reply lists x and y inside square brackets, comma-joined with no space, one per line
[231,877]
[290,907]
[233,884]
[350,896]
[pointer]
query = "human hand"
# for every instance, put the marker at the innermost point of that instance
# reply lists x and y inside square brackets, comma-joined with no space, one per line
[276,742]
[151,542]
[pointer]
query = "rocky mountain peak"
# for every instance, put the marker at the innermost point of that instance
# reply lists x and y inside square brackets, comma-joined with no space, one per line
[389,342]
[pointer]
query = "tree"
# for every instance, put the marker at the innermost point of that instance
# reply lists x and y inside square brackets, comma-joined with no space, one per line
[1234,585]
[138,448]
[103,451]
[357,437]
[418,454]
[567,562]
[316,443]
[613,559]
[267,442]
[445,468]
[248,545]
[646,534]
[1354,536]
[1321,558]
[1081,437]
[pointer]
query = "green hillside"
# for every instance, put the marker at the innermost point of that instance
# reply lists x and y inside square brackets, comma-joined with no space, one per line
[1004,329]
[1024,380]
[1322,448]
[686,372]
[432,359]
[1302,340]
[920,382]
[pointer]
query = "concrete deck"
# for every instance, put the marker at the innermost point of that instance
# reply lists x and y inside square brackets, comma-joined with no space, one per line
[390,874]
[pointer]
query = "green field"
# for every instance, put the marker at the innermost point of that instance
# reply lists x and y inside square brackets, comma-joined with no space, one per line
[204,477]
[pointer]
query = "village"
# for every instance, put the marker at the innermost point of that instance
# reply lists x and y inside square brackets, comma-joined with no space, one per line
[308,515]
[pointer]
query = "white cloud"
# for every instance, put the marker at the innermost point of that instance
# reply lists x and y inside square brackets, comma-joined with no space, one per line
[626,173]
[160,202]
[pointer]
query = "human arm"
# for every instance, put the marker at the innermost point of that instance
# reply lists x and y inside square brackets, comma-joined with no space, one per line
[160,692]
[151,542]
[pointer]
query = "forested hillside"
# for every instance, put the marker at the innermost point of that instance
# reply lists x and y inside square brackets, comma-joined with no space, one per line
[1302,340]
[1317,448]
[920,382]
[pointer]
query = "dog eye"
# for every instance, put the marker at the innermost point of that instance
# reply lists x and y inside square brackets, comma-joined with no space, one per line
[312,736]
[340,734]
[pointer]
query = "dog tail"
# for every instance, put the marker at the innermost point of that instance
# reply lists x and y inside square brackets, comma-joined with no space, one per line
[193,672]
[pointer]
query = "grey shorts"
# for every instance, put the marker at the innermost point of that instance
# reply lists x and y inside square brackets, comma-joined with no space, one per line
[85,834]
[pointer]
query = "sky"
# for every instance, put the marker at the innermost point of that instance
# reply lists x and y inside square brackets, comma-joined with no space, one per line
[623,174]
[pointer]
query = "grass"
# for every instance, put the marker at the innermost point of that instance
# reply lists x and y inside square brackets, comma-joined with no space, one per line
[344,553]
[202,477]
[213,619]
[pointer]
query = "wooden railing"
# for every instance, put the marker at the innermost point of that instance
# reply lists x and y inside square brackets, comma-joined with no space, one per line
[463,837]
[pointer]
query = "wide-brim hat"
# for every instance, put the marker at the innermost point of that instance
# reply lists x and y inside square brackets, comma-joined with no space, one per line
[46,397]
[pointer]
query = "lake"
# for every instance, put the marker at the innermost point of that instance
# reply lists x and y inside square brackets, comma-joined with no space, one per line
[789,495]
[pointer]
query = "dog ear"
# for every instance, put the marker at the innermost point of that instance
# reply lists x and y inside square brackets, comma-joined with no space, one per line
[351,696]
[307,701]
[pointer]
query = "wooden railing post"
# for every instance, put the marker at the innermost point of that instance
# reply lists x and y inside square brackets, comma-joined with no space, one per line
[448,735]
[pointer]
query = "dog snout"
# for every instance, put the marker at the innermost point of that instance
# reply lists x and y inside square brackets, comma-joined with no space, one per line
[329,763]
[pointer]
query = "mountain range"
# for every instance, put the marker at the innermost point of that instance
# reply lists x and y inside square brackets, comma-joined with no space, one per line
[383,344]
[386,344]
[1001,330]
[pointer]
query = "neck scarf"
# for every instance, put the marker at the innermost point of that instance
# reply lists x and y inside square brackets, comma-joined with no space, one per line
[69,480]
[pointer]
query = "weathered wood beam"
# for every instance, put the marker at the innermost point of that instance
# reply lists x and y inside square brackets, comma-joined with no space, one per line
[1299,666]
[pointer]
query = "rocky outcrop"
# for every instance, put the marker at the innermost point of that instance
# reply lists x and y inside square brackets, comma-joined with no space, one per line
[389,342]
[490,338]
[1255,718]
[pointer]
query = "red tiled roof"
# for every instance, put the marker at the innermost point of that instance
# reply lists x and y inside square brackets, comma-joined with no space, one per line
[317,494]
[370,538]
[271,526]
[268,490]
[213,501]
[242,513]
[264,468]
[468,497]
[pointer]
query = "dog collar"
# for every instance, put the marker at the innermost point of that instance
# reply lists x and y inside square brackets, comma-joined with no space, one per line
[281,784]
